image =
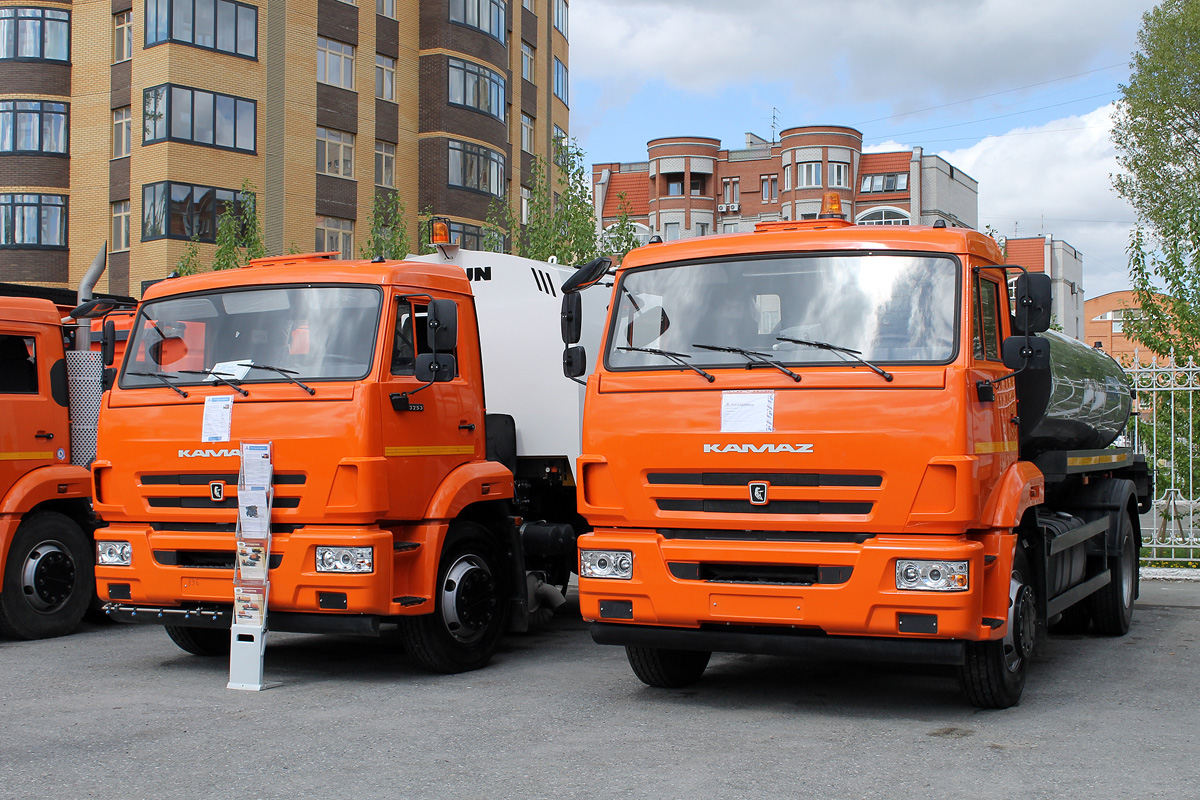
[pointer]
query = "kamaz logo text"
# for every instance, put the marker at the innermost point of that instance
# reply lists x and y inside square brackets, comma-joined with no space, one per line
[758,448]
[223,453]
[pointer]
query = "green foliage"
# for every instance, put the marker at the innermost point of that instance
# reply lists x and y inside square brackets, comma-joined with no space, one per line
[251,231]
[239,235]
[621,236]
[228,255]
[189,262]
[388,236]
[1001,240]
[1157,135]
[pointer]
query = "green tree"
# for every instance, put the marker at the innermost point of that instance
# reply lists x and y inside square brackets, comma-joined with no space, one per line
[1157,135]
[621,236]
[388,236]
[239,235]
[189,262]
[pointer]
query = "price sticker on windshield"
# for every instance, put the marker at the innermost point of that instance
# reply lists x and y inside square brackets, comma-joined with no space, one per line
[218,417]
[748,411]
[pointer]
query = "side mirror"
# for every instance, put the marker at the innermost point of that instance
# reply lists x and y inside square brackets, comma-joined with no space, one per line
[647,325]
[443,326]
[572,318]
[94,308]
[436,367]
[587,275]
[1034,303]
[1016,355]
[108,343]
[574,361]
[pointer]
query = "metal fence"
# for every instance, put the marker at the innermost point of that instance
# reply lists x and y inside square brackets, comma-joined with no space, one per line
[1164,429]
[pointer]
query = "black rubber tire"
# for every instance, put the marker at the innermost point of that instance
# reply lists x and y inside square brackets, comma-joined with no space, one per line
[993,675]
[200,641]
[49,578]
[1112,606]
[667,669]
[471,604]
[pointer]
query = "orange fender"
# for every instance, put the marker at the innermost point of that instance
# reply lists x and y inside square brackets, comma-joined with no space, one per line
[1021,487]
[469,483]
[56,482]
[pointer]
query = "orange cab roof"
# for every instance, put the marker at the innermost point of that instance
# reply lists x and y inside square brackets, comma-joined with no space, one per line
[30,309]
[317,268]
[849,237]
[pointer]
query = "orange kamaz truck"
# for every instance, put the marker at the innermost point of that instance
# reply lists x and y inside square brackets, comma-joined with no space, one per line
[402,496]
[831,440]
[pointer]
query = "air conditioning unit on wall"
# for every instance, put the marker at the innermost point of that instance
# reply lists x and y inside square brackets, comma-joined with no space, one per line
[721,208]
[733,208]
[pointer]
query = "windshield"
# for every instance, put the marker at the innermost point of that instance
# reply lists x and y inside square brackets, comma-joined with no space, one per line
[888,308]
[309,332]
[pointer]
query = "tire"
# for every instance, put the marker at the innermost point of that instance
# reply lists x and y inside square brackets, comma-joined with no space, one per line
[471,605]
[1112,606]
[993,674]
[667,669]
[49,578]
[200,641]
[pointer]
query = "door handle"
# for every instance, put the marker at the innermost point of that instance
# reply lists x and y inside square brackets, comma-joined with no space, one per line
[466,426]
[43,435]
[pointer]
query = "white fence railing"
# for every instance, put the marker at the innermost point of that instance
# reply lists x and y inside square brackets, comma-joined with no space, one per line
[1164,429]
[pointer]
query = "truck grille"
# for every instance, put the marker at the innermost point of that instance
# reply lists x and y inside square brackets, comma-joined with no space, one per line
[205,559]
[205,478]
[806,507]
[768,574]
[773,478]
[716,534]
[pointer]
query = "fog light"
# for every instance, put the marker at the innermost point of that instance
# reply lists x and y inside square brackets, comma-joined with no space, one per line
[114,554]
[615,564]
[345,559]
[932,576]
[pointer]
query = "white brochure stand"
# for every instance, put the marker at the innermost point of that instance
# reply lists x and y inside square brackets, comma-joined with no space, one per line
[248,633]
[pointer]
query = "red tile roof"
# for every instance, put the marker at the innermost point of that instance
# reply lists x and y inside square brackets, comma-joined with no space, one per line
[884,163]
[1029,253]
[636,187]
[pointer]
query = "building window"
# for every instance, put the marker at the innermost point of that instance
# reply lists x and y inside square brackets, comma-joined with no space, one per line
[732,190]
[33,220]
[526,199]
[476,87]
[485,15]
[466,236]
[674,184]
[335,63]
[120,226]
[335,153]
[35,34]
[883,216]
[28,126]
[697,186]
[183,211]
[526,61]
[194,116]
[386,8]
[122,132]
[335,235]
[770,188]
[896,182]
[787,179]
[385,77]
[561,83]
[839,175]
[527,5]
[560,136]
[220,25]
[527,133]
[560,16]
[476,167]
[808,175]
[122,36]
[385,164]
[702,229]
[670,231]
[729,227]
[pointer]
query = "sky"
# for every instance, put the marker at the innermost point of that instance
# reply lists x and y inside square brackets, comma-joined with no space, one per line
[1019,94]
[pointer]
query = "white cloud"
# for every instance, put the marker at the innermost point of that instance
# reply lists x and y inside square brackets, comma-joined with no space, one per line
[1055,179]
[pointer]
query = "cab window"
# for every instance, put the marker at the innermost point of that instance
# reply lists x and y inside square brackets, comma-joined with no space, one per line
[987,319]
[18,365]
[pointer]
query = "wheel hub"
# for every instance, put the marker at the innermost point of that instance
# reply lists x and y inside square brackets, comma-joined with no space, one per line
[468,599]
[1018,642]
[48,577]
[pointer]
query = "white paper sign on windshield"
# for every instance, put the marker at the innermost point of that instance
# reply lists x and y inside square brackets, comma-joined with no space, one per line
[230,370]
[748,411]
[218,416]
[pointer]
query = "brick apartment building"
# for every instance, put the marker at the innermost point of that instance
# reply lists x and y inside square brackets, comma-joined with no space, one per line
[690,186]
[136,121]
[1064,264]
[1105,327]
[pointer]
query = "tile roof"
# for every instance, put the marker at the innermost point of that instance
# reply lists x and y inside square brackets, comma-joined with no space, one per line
[636,186]
[883,163]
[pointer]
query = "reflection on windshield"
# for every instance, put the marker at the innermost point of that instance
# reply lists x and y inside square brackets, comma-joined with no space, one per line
[890,308]
[312,332]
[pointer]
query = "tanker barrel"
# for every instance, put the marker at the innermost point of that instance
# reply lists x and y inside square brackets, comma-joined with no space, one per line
[1081,401]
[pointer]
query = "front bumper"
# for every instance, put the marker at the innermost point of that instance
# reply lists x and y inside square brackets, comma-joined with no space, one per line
[852,591]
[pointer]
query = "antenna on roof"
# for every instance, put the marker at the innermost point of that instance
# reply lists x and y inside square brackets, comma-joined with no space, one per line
[774,122]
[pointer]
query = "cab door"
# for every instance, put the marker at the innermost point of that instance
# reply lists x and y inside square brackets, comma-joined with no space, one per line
[34,427]
[992,427]
[428,431]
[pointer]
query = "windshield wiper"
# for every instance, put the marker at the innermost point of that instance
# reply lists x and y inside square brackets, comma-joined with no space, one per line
[855,354]
[753,357]
[162,376]
[287,373]
[678,358]
[220,377]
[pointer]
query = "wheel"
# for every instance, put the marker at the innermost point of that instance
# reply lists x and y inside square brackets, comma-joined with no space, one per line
[1112,606]
[993,674]
[470,610]
[200,641]
[48,578]
[667,669]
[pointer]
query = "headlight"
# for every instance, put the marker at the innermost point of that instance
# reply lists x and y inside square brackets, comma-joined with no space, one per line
[114,554]
[616,564]
[345,559]
[932,576]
